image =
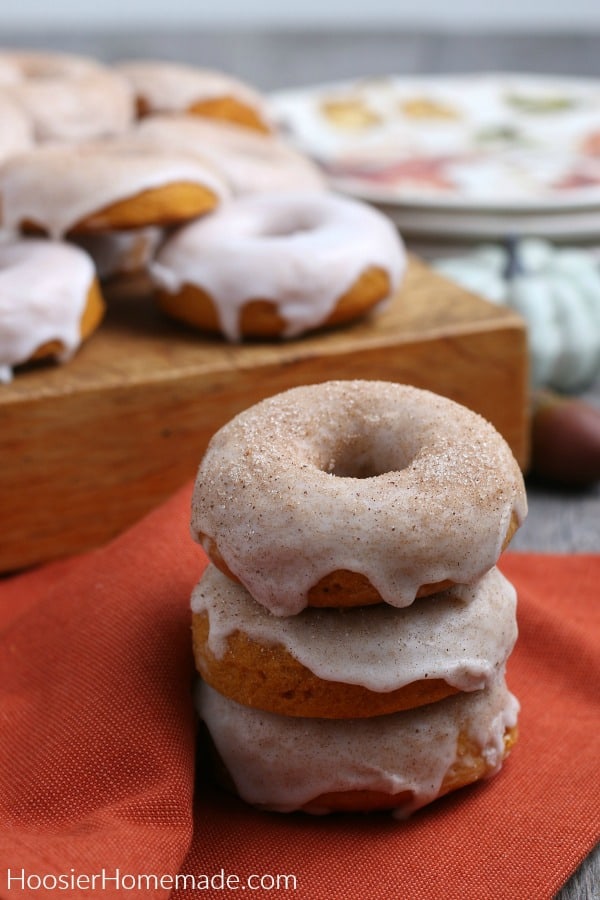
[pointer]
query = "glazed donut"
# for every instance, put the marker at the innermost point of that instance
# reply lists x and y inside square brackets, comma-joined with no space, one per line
[9,72]
[405,489]
[249,161]
[67,97]
[302,261]
[106,185]
[355,663]
[16,132]
[170,87]
[49,301]
[121,253]
[399,762]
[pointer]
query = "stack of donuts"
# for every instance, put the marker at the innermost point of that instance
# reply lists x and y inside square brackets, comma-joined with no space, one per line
[169,172]
[352,630]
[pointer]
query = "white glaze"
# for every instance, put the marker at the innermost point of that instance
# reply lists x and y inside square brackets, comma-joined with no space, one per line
[121,252]
[57,186]
[9,72]
[68,98]
[16,130]
[281,763]
[277,491]
[462,636]
[250,161]
[302,251]
[175,87]
[44,287]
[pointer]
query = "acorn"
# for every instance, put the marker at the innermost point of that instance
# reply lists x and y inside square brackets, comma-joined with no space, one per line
[565,440]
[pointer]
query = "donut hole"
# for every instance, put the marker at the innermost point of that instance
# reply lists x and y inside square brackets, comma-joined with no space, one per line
[357,468]
[367,458]
[285,224]
[287,229]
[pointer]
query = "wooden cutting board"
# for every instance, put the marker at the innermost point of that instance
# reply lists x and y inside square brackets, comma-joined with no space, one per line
[89,447]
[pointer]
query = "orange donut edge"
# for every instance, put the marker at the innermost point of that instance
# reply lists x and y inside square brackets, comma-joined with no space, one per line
[225,108]
[344,589]
[169,205]
[269,678]
[91,318]
[261,318]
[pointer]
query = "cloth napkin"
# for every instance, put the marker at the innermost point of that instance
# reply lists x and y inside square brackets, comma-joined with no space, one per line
[102,792]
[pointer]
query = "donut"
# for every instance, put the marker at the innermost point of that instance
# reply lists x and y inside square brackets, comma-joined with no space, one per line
[398,762]
[49,301]
[249,161]
[302,261]
[67,97]
[398,489]
[170,87]
[9,72]
[121,253]
[16,132]
[353,663]
[106,185]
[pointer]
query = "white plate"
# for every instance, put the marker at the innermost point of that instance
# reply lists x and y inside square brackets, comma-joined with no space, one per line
[474,225]
[488,142]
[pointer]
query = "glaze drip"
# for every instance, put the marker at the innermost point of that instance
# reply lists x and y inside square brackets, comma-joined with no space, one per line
[267,495]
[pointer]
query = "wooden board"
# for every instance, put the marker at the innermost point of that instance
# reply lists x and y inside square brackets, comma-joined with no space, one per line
[89,447]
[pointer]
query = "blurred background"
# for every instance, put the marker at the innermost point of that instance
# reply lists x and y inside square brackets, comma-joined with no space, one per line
[579,14]
[282,45]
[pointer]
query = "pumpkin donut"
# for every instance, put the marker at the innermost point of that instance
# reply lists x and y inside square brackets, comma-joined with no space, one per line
[108,185]
[16,131]
[398,762]
[352,663]
[67,97]
[168,87]
[406,490]
[249,161]
[302,261]
[49,301]
[120,254]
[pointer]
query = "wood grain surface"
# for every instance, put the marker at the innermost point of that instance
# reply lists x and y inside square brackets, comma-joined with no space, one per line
[90,446]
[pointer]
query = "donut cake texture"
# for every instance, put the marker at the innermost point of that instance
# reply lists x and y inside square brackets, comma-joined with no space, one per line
[375,665]
[357,702]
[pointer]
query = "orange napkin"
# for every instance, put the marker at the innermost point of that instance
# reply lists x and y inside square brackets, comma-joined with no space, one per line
[97,749]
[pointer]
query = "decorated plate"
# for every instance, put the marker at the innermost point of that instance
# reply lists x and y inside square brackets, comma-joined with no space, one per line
[473,224]
[480,142]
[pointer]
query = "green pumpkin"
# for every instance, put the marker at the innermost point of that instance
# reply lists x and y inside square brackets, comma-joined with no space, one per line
[557,293]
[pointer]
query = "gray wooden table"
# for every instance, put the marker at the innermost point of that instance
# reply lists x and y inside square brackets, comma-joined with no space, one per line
[558,521]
